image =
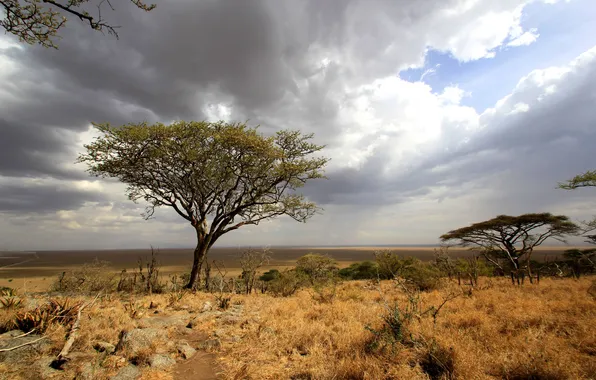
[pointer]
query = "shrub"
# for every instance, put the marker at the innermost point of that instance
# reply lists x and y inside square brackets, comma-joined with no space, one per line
[9,299]
[422,275]
[60,311]
[360,271]
[270,275]
[287,283]
[316,267]
[91,277]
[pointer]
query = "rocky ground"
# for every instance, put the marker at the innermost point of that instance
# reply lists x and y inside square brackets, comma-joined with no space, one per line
[172,342]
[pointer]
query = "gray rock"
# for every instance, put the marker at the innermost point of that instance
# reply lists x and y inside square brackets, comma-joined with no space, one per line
[137,339]
[130,372]
[10,334]
[211,345]
[206,307]
[161,361]
[185,350]
[235,339]
[10,339]
[104,347]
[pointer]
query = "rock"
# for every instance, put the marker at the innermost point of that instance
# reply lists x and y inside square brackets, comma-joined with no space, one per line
[138,339]
[235,339]
[130,372]
[230,319]
[211,345]
[86,372]
[104,347]
[9,339]
[10,334]
[41,367]
[185,350]
[219,333]
[206,307]
[161,361]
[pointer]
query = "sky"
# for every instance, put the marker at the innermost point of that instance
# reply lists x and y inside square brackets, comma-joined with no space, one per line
[435,113]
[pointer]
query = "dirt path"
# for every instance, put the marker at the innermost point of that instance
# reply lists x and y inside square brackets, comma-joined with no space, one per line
[201,366]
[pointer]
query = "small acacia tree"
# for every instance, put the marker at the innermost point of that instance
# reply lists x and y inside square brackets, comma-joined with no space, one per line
[512,238]
[250,261]
[39,21]
[217,176]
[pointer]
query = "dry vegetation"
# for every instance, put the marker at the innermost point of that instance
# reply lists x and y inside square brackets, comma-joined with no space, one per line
[502,331]
[364,331]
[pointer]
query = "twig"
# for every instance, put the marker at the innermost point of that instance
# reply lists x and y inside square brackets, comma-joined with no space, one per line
[22,335]
[22,345]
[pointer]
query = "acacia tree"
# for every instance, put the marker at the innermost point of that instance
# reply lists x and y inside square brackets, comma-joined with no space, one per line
[512,238]
[587,179]
[217,176]
[39,21]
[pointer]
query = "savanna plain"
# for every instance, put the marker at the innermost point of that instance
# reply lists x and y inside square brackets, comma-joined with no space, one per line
[292,313]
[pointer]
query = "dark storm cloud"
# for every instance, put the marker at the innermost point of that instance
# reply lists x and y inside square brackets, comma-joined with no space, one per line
[261,57]
[17,199]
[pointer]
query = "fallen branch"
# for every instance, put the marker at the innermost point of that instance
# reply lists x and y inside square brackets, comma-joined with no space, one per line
[22,345]
[62,356]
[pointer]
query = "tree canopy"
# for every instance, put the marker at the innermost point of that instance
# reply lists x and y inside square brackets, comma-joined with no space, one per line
[587,179]
[512,237]
[217,176]
[39,21]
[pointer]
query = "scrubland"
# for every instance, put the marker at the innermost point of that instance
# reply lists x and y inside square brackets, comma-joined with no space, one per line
[359,330]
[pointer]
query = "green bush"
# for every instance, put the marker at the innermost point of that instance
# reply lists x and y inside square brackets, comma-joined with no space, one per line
[270,275]
[316,267]
[423,276]
[287,283]
[360,271]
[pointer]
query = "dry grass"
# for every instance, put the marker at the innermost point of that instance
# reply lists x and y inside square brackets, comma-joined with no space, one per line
[537,332]
[544,331]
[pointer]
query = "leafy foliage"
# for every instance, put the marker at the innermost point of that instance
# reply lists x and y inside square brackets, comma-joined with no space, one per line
[217,176]
[587,179]
[287,283]
[270,275]
[390,264]
[360,271]
[512,238]
[39,21]
[316,267]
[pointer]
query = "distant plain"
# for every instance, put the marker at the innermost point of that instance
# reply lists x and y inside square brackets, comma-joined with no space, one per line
[36,270]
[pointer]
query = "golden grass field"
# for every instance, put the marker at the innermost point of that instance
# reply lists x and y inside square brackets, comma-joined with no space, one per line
[498,331]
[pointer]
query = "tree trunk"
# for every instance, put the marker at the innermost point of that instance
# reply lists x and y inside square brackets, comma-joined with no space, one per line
[197,263]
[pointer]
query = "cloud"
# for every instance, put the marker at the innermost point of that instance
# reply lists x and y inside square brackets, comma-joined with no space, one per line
[404,156]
